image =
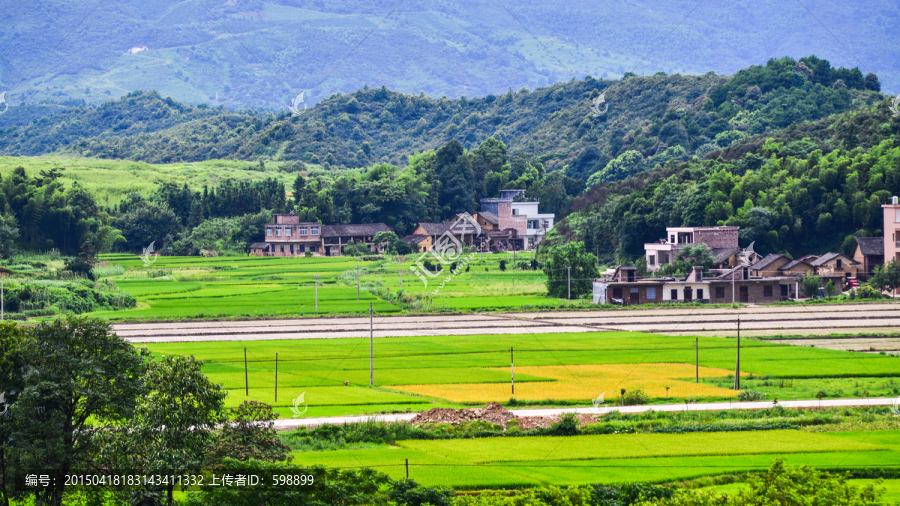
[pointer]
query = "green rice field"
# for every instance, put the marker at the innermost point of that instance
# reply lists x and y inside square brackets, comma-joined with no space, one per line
[611,459]
[319,369]
[177,288]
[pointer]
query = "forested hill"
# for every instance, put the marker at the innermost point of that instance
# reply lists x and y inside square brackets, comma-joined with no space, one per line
[649,121]
[810,188]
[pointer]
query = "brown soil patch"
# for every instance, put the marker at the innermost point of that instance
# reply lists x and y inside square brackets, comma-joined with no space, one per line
[494,413]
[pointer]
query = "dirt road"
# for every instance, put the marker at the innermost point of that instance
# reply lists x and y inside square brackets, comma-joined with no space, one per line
[878,319]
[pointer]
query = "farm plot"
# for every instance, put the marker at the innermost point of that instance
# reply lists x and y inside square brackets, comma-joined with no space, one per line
[561,369]
[531,461]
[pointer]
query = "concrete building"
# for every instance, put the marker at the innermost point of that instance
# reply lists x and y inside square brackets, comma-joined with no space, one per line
[288,236]
[524,217]
[891,230]
[723,241]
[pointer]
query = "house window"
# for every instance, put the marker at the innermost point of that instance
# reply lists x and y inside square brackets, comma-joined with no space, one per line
[515,212]
[746,274]
[720,292]
[282,248]
[652,260]
[315,231]
[312,248]
[292,249]
[674,294]
[839,264]
[651,293]
[617,293]
[302,249]
[672,239]
[287,230]
[767,291]
[633,290]
[303,231]
[700,294]
[269,232]
[530,225]
[663,258]
[278,232]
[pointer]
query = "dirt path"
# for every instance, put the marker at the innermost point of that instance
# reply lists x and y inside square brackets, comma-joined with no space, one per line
[821,320]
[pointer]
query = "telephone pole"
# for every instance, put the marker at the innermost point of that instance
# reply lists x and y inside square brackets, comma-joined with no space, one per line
[737,367]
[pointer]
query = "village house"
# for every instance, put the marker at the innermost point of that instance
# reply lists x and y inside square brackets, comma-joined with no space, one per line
[835,264]
[868,253]
[769,265]
[722,241]
[799,266]
[288,236]
[522,216]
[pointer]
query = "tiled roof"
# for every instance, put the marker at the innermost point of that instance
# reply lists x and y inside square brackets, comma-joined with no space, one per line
[825,258]
[722,254]
[871,245]
[490,217]
[259,245]
[354,230]
[435,228]
[793,263]
[415,239]
[766,261]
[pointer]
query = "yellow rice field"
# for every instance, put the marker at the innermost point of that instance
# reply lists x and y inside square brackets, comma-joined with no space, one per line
[584,383]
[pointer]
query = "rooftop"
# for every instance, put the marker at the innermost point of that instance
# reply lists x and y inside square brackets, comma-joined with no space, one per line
[354,230]
[870,245]
[766,261]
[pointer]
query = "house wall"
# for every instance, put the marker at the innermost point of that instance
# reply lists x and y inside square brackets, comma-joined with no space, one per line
[773,269]
[798,270]
[830,267]
[679,287]
[867,263]
[891,232]
[756,291]
[717,238]
[633,294]
[658,250]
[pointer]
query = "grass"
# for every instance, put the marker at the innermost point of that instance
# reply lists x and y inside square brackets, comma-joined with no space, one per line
[548,367]
[520,462]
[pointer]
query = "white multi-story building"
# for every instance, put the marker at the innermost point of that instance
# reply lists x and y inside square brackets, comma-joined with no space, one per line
[530,224]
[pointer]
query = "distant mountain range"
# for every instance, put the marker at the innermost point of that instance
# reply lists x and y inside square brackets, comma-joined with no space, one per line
[262,54]
[578,125]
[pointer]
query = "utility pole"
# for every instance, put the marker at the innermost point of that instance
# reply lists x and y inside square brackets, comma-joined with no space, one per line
[357,282]
[371,348]
[246,383]
[407,469]
[317,293]
[733,273]
[512,371]
[696,360]
[276,376]
[569,277]
[737,367]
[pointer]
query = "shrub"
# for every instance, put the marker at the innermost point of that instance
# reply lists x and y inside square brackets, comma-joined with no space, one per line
[636,397]
[566,426]
[751,396]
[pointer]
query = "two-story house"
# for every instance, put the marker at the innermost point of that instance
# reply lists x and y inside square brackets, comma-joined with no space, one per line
[723,241]
[523,216]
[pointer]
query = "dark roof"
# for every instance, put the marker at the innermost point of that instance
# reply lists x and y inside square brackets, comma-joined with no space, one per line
[766,261]
[490,217]
[259,245]
[354,230]
[826,258]
[871,245]
[435,228]
[722,254]
[793,263]
[415,239]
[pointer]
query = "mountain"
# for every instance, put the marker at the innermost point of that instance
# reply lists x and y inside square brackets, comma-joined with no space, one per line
[810,188]
[262,54]
[579,125]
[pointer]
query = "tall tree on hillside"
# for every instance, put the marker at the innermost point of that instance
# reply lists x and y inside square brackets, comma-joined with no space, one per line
[490,156]
[457,179]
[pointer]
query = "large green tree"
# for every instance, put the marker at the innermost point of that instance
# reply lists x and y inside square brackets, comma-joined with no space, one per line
[80,378]
[569,262]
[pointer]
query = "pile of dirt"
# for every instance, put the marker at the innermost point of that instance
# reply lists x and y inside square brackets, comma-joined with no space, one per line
[494,413]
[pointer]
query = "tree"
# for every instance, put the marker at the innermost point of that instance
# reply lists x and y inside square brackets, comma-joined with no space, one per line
[783,486]
[811,285]
[357,249]
[12,339]
[457,180]
[887,276]
[81,378]
[150,222]
[687,257]
[250,434]
[173,423]
[829,288]
[583,270]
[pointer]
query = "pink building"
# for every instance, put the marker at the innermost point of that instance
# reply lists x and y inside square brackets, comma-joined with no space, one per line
[891,230]
[723,241]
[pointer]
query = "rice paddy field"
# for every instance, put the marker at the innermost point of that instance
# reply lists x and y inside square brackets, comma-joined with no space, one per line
[611,459]
[418,373]
[177,288]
